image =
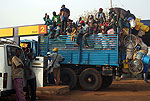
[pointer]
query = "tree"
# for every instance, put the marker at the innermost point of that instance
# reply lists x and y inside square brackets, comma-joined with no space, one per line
[92,12]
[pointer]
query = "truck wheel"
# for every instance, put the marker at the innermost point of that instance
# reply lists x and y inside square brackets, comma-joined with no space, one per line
[68,77]
[90,79]
[107,81]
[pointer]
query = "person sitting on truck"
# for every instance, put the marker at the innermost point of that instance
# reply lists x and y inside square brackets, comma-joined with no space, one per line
[57,31]
[84,32]
[88,18]
[95,28]
[48,21]
[88,32]
[44,18]
[80,32]
[73,33]
[17,75]
[78,21]
[56,60]
[69,28]
[56,18]
[109,23]
[53,30]
[91,19]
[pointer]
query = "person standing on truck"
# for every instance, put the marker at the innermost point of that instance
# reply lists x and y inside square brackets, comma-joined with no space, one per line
[30,75]
[17,75]
[100,15]
[64,16]
[56,60]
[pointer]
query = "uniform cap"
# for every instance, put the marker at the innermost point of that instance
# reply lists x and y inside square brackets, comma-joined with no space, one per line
[55,49]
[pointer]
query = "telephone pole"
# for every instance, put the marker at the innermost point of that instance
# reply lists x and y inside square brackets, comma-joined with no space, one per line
[111,3]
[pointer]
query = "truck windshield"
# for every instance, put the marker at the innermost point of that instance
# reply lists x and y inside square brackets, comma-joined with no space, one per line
[11,51]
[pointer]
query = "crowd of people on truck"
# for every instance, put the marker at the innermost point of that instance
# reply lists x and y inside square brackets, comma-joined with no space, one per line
[60,24]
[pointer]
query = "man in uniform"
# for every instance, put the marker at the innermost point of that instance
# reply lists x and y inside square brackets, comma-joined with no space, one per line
[56,59]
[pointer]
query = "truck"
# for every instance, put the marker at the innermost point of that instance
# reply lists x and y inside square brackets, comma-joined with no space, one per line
[7,51]
[93,68]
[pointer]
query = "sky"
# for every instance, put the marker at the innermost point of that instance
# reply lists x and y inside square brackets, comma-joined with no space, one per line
[29,12]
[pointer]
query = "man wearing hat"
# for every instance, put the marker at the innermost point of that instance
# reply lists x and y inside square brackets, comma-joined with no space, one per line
[56,59]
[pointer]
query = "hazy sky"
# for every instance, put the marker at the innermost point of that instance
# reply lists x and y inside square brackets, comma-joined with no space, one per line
[28,12]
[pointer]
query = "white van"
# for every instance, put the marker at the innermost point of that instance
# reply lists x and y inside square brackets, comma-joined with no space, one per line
[7,51]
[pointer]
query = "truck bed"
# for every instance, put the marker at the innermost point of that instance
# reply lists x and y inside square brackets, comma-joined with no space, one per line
[103,49]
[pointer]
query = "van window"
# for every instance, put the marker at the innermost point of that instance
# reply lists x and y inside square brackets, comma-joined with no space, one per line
[11,51]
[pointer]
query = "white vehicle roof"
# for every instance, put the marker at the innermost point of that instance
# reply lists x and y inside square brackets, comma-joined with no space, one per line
[6,41]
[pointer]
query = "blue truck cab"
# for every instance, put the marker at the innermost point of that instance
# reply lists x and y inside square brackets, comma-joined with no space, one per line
[31,44]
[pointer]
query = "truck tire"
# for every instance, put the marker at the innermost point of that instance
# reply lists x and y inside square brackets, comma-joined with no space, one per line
[90,79]
[107,81]
[68,77]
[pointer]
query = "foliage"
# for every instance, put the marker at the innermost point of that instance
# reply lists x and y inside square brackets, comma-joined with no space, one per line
[92,12]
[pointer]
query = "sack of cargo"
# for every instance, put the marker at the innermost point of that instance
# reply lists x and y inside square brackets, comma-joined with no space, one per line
[132,23]
[125,63]
[129,51]
[139,54]
[146,59]
[130,39]
[141,33]
[125,31]
[145,28]
[142,44]
[130,43]
[111,31]
[137,19]
[138,25]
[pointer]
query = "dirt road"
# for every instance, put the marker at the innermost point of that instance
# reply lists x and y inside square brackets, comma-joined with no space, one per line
[125,90]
